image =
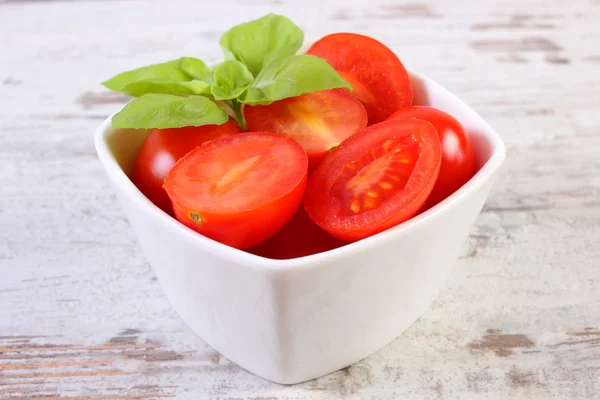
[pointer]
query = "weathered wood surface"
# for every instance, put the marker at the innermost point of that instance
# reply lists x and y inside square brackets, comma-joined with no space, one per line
[82,315]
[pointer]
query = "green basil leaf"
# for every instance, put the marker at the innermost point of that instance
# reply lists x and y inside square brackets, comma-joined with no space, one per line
[231,79]
[258,43]
[167,86]
[168,111]
[167,70]
[196,69]
[159,76]
[291,77]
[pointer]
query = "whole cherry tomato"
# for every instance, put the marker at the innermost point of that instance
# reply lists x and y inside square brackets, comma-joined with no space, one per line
[458,156]
[298,238]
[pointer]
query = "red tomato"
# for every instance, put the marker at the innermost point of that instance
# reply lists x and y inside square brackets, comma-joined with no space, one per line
[377,76]
[241,189]
[319,121]
[458,156]
[163,148]
[300,237]
[376,179]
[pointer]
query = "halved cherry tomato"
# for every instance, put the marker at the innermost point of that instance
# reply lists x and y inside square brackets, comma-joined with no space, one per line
[374,180]
[378,78]
[162,148]
[239,190]
[458,156]
[298,238]
[319,121]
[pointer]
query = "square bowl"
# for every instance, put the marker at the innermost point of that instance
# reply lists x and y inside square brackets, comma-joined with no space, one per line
[293,320]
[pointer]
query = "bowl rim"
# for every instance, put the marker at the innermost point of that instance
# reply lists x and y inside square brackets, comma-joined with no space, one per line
[274,265]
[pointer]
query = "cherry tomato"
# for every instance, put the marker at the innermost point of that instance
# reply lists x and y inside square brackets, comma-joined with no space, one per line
[300,237]
[162,148]
[319,121]
[241,189]
[378,78]
[458,156]
[374,180]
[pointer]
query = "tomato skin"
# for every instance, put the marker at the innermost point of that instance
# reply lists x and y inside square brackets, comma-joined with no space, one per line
[249,229]
[458,156]
[162,148]
[377,75]
[300,237]
[319,121]
[407,151]
[225,215]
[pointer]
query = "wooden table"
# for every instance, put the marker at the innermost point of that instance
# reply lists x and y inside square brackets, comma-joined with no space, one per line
[81,312]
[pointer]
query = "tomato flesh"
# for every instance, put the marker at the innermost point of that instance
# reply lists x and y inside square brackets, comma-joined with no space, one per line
[239,190]
[378,78]
[162,148]
[298,238]
[375,180]
[319,121]
[458,156]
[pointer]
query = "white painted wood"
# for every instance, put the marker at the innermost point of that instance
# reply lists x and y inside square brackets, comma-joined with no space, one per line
[81,314]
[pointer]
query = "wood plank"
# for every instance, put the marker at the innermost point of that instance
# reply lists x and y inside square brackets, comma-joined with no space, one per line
[81,312]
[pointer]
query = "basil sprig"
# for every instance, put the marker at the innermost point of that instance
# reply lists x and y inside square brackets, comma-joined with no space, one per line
[260,67]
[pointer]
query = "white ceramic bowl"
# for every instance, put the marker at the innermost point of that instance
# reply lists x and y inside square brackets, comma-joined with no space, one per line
[293,320]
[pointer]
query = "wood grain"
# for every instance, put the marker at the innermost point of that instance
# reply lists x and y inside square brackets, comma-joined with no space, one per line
[81,312]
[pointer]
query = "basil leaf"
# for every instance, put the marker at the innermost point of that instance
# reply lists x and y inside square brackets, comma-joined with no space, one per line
[231,79]
[167,111]
[167,86]
[291,77]
[258,43]
[196,69]
[181,70]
